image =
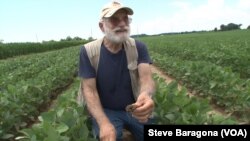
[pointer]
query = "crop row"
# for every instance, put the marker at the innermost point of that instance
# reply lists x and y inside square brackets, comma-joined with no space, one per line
[33,86]
[226,49]
[221,85]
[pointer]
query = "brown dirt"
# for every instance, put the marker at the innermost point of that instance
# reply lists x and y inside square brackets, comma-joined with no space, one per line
[168,79]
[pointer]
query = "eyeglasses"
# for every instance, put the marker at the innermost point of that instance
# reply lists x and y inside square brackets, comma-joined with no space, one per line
[116,20]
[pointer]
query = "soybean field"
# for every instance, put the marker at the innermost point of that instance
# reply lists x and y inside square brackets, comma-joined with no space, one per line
[38,89]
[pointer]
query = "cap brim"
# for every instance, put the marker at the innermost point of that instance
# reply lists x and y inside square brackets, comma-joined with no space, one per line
[112,12]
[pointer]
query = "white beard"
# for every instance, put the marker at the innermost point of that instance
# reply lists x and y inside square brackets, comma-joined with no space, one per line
[115,37]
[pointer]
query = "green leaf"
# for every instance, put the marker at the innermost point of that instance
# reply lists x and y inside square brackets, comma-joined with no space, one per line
[68,117]
[84,132]
[181,100]
[21,137]
[62,128]
[212,84]
[49,116]
[60,112]
[7,136]
[52,135]
[33,138]
[171,117]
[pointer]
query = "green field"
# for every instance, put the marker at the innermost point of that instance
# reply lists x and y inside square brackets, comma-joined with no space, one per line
[214,65]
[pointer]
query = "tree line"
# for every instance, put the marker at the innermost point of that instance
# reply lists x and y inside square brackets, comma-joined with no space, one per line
[68,38]
[230,26]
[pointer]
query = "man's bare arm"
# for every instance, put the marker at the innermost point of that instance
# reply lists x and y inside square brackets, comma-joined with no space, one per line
[107,130]
[92,99]
[144,105]
[146,80]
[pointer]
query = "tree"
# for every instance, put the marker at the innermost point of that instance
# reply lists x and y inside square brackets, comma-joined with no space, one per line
[230,26]
[77,38]
[248,27]
[1,41]
[68,38]
[90,39]
[222,27]
[215,29]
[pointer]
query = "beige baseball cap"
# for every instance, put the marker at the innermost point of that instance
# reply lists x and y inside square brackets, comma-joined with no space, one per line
[112,8]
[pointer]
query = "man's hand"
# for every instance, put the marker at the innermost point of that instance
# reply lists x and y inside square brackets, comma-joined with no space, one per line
[107,132]
[142,108]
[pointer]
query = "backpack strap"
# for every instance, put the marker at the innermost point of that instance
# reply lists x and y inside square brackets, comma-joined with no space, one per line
[132,59]
[93,50]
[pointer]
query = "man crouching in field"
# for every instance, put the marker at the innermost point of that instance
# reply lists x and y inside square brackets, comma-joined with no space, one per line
[117,82]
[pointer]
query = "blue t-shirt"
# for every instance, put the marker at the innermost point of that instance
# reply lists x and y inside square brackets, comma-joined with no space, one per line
[112,79]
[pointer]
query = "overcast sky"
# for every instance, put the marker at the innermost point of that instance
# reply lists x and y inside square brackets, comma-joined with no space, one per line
[38,20]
